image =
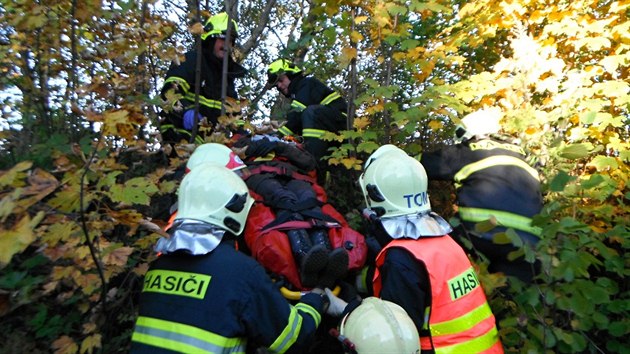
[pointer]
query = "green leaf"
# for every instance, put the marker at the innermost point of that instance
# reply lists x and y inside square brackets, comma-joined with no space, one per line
[367,146]
[575,151]
[588,117]
[135,191]
[604,162]
[619,328]
[560,181]
[594,181]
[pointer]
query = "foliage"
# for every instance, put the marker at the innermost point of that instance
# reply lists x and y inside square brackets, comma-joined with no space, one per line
[84,187]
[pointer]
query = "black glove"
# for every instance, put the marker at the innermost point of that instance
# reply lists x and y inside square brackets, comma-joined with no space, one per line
[260,147]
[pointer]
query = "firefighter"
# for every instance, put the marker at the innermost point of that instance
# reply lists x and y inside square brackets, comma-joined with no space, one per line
[281,173]
[420,267]
[202,295]
[315,108]
[210,153]
[378,326]
[493,180]
[181,79]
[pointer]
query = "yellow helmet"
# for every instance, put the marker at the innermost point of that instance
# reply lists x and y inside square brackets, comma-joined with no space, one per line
[395,185]
[380,326]
[218,154]
[280,67]
[217,26]
[213,194]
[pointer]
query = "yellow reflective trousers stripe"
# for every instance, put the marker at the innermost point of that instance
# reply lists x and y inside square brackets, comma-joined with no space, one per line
[491,161]
[476,345]
[183,338]
[290,333]
[313,133]
[285,131]
[503,218]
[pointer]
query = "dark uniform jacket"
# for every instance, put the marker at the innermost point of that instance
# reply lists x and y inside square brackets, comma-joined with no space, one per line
[221,302]
[492,177]
[308,91]
[184,76]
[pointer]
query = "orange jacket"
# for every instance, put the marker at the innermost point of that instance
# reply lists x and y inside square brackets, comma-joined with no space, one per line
[459,319]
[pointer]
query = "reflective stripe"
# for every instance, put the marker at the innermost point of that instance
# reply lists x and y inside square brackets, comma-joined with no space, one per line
[333,96]
[165,127]
[204,101]
[462,323]
[285,131]
[492,161]
[298,106]
[475,345]
[503,218]
[313,133]
[179,81]
[183,338]
[289,334]
[311,311]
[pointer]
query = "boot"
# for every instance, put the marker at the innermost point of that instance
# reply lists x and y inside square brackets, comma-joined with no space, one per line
[311,260]
[338,260]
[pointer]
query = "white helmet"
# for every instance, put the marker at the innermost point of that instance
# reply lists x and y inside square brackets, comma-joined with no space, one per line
[380,326]
[482,122]
[216,195]
[396,185]
[215,153]
[381,151]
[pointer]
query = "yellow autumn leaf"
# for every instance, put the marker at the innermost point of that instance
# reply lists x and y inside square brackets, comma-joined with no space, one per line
[91,342]
[141,269]
[15,176]
[89,327]
[360,19]
[18,238]
[118,256]
[88,283]
[349,162]
[436,124]
[65,345]
[196,28]
[346,56]
[113,117]
[361,123]
[356,37]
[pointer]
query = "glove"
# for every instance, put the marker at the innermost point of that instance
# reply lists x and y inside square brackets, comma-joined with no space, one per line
[189,119]
[336,306]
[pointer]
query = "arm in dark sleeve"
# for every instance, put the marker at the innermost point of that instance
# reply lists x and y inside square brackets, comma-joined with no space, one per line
[312,91]
[272,322]
[405,282]
[181,78]
[442,164]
